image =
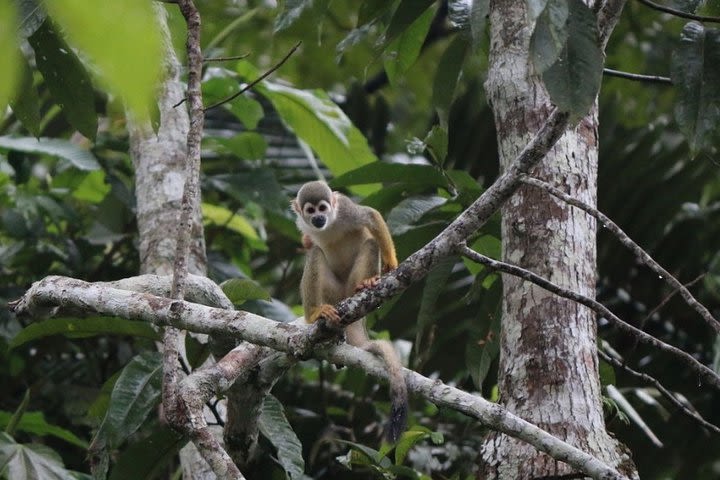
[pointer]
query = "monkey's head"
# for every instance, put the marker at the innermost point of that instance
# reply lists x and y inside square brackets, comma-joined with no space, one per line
[315,206]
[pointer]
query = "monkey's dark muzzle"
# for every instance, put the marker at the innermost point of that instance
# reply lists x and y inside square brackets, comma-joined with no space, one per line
[319,221]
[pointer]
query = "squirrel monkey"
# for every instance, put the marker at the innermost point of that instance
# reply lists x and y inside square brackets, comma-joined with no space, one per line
[349,245]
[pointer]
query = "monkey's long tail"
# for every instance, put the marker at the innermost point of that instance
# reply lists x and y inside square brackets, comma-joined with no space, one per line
[398,390]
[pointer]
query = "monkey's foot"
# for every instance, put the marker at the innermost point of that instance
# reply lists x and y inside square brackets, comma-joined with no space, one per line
[367,283]
[325,310]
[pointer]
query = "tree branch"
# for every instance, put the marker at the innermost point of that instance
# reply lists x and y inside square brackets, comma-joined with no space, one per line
[100,298]
[637,77]
[708,375]
[633,247]
[660,388]
[679,13]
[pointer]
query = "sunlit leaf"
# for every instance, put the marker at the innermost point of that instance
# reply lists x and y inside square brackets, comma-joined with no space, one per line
[92,188]
[130,65]
[248,110]
[66,77]
[9,53]
[239,290]
[223,217]
[276,428]
[696,73]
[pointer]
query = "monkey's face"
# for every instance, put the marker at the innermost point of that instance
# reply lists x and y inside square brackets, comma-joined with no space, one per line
[319,215]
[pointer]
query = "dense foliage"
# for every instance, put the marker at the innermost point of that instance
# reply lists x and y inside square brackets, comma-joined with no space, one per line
[379,93]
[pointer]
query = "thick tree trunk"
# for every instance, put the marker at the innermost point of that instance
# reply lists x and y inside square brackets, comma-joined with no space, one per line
[548,371]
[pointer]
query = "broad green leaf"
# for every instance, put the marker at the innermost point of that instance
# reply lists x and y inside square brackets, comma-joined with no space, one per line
[246,145]
[130,63]
[258,185]
[240,290]
[30,461]
[9,54]
[574,79]
[383,172]
[607,373]
[371,10]
[320,123]
[403,51]
[26,103]
[447,76]
[696,73]
[248,110]
[276,428]
[487,245]
[135,394]
[408,440]
[410,210]
[83,327]
[550,35]
[66,77]
[99,407]
[148,457]
[92,188]
[78,157]
[404,16]
[291,11]
[35,423]
[221,216]
[436,143]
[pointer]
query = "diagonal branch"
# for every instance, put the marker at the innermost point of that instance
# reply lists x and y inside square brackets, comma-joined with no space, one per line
[633,247]
[705,373]
[101,298]
[679,13]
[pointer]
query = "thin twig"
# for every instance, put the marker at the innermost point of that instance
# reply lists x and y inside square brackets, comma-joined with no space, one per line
[226,59]
[257,80]
[660,388]
[637,77]
[668,297]
[679,13]
[632,246]
[704,372]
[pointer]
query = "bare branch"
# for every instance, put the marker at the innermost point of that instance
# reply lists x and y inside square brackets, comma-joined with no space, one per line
[100,298]
[638,77]
[660,388]
[633,247]
[679,13]
[226,59]
[703,372]
[257,80]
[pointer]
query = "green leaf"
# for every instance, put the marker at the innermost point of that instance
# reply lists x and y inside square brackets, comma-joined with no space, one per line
[292,10]
[35,424]
[405,15]
[434,286]
[248,110]
[240,290]
[487,245]
[696,73]
[13,420]
[9,53]
[607,373]
[92,188]
[408,440]
[30,461]
[447,76]
[574,79]
[320,123]
[148,457]
[383,172]
[550,35]
[66,77]
[135,395]
[403,51]
[221,216]
[129,65]
[436,143]
[258,185]
[99,407]
[26,104]
[78,157]
[410,210]
[246,145]
[478,18]
[83,327]
[276,428]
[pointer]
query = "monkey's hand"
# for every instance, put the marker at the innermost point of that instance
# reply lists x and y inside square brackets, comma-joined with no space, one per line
[326,311]
[307,242]
[367,283]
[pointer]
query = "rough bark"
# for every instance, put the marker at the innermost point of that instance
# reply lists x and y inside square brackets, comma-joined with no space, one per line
[548,372]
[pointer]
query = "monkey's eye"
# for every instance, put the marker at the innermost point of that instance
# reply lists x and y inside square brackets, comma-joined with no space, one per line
[310,210]
[322,208]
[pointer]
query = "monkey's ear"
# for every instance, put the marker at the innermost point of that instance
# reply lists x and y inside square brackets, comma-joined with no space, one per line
[334,199]
[294,205]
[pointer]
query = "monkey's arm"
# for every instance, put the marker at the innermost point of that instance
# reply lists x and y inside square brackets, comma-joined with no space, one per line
[379,229]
